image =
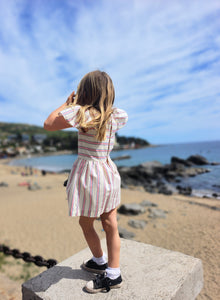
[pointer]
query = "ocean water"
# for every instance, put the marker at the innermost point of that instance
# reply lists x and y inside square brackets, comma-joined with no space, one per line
[204,184]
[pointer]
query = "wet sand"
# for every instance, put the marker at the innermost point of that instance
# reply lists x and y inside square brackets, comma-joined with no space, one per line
[38,222]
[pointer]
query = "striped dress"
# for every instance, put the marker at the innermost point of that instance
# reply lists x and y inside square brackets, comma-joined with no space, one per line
[94,184]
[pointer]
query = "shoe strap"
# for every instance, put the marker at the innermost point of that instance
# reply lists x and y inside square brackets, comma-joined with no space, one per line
[101,280]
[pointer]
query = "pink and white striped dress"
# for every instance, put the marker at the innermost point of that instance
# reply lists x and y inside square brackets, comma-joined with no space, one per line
[94,184]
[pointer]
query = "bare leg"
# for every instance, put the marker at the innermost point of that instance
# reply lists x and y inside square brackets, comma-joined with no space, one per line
[91,236]
[110,225]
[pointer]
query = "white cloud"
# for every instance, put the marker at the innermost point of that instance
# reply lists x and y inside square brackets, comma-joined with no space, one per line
[163,58]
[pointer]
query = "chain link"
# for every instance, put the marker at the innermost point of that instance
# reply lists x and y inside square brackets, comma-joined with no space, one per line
[27,257]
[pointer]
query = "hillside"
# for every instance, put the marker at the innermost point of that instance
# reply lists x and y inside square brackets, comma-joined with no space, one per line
[17,134]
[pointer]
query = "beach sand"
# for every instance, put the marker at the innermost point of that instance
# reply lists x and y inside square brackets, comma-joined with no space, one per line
[38,222]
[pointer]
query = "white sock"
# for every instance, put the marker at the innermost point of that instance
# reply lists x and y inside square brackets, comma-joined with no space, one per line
[100,260]
[113,273]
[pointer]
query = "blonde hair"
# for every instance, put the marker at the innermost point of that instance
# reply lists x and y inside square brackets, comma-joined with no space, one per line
[96,94]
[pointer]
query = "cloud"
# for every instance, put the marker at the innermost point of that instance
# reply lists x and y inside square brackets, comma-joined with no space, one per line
[163,58]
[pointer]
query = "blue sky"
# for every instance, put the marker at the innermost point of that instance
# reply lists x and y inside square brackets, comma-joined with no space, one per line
[163,57]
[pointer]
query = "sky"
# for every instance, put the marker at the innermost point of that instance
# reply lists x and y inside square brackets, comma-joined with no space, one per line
[163,58]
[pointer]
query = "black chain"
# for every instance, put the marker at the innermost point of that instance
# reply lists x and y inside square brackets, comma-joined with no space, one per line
[26,256]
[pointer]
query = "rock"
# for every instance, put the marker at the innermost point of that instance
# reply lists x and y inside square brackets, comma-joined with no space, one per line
[157,213]
[195,171]
[34,187]
[214,163]
[132,176]
[198,160]
[178,160]
[176,167]
[43,172]
[150,189]
[215,195]
[123,185]
[164,191]
[3,184]
[177,180]
[121,157]
[137,223]
[184,190]
[216,185]
[151,167]
[131,209]
[148,203]
[170,175]
[124,233]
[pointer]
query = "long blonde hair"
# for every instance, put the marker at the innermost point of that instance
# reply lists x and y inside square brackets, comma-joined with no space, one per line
[96,94]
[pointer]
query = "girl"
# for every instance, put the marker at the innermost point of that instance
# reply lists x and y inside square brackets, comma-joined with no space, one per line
[93,188]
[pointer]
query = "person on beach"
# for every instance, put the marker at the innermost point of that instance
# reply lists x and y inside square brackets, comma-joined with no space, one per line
[94,184]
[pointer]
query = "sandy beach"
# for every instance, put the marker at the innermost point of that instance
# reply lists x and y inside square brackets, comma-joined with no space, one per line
[37,221]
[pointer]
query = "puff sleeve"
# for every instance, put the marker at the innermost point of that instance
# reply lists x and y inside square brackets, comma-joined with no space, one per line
[120,117]
[70,114]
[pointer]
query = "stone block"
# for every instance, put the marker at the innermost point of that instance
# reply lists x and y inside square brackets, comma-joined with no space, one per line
[148,272]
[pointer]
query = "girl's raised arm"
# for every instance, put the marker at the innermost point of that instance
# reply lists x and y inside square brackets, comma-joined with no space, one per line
[56,121]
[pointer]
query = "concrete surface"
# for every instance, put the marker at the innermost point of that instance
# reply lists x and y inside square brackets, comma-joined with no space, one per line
[148,272]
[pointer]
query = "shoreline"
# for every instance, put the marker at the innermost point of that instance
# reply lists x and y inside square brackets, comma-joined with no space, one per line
[37,221]
[210,193]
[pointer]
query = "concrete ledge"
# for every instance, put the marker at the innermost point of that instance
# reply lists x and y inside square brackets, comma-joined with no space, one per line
[148,273]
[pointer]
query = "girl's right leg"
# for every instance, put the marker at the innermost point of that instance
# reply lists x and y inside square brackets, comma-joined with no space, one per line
[92,238]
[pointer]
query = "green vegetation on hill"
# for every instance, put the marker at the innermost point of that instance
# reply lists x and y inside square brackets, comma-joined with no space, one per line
[19,128]
[62,140]
[129,140]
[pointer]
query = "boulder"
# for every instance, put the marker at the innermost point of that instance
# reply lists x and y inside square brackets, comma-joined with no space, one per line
[187,191]
[215,163]
[175,159]
[124,233]
[157,213]
[195,171]
[198,160]
[131,209]
[137,223]
[151,167]
[148,203]
[174,166]
[3,184]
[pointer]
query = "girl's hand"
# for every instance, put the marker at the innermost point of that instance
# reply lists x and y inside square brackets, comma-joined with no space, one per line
[70,99]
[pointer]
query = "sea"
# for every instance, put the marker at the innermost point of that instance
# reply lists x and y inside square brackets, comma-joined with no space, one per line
[203,185]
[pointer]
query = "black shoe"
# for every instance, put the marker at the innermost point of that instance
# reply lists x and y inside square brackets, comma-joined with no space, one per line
[93,267]
[102,282]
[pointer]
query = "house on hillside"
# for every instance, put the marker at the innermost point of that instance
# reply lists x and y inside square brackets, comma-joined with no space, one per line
[25,138]
[39,138]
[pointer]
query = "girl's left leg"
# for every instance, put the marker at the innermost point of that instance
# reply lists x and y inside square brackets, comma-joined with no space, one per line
[110,226]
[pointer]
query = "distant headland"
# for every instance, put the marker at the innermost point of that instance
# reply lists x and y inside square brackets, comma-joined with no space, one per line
[17,139]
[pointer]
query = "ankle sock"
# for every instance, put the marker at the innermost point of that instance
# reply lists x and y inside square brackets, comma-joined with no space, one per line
[100,260]
[113,273]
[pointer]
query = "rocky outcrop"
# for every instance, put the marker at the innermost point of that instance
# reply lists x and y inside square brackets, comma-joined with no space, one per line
[158,178]
[198,160]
